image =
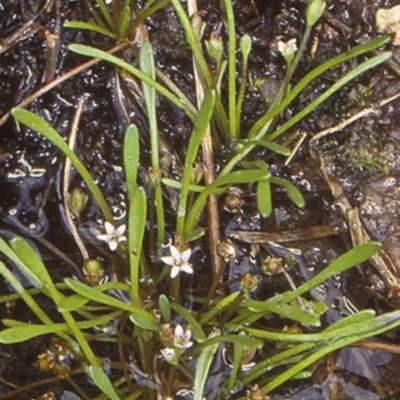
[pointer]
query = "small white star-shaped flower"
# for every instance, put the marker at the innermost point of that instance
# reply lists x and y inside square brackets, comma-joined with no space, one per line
[181,338]
[287,48]
[113,236]
[178,261]
[168,353]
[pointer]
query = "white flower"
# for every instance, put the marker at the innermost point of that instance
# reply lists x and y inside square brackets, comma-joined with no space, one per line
[182,339]
[287,48]
[113,236]
[178,261]
[168,353]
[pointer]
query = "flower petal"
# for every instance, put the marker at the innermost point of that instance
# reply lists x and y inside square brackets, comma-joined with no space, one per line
[109,228]
[188,335]
[175,252]
[113,244]
[186,255]
[178,333]
[120,230]
[168,353]
[175,271]
[187,268]
[121,239]
[169,260]
[103,237]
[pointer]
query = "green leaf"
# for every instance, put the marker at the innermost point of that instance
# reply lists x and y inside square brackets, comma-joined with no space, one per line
[93,294]
[136,227]
[201,124]
[146,62]
[294,193]
[237,339]
[10,254]
[29,257]
[237,358]
[102,382]
[292,311]
[203,366]
[22,333]
[219,307]
[144,323]
[165,307]
[106,13]
[125,18]
[233,129]
[276,148]
[352,319]
[131,157]
[36,123]
[264,201]
[348,260]
[352,74]
[375,326]
[194,234]
[72,303]
[89,26]
[259,128]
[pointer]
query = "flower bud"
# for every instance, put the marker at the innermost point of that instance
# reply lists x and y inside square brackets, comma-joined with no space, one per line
[245,46]
[77,200]
[215,49]
[314,11]
[153,177]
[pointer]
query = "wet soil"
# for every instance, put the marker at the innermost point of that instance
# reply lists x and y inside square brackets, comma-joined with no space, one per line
[363,158]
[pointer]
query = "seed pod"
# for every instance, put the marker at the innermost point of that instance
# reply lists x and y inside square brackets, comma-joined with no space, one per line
[249,283]
[234,201]
[255,393]
[226,250]
[94,272]
[272,266]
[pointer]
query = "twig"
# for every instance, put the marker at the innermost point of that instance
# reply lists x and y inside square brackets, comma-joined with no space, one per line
[214,236]
[66,175]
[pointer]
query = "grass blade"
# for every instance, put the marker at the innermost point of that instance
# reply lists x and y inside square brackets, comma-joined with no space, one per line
[146,62]
[137,223]
[203,366]
[90,27]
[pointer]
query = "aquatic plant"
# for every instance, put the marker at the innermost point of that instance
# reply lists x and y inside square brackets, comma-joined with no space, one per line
[138,291]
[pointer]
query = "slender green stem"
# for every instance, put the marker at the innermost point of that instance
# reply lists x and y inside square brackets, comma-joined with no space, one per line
[199,130]
[192,39]
[233,131]
[146,60]
[245,44]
